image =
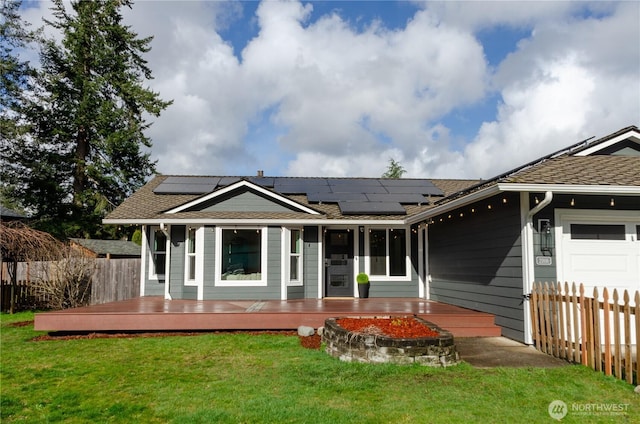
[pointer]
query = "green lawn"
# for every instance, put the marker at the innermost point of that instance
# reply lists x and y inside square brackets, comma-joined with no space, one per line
[241,378]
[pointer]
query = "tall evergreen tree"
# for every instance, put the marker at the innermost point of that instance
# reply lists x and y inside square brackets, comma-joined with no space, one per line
[16,83]
[90,117]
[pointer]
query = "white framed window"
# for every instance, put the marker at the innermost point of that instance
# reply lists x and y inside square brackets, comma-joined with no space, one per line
[157,253]
[386,254]
[294,262]
[194,246]
[241,256]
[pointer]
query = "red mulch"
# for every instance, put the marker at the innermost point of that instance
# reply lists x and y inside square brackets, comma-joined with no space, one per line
[311,342]
[397,327]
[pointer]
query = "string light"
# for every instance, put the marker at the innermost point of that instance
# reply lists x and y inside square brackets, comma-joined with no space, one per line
[612,202]
[573,201]
[504,200]
[488,206]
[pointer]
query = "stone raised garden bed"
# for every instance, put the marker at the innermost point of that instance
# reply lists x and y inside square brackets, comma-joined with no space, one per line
[369,343]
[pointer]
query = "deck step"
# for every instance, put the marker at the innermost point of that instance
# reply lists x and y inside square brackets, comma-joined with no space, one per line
[476,325]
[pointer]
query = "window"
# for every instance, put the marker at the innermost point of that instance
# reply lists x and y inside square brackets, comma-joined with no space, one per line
[192,250]
[388,253]
[597,232]
[295,256]
[242,254]
[158,253]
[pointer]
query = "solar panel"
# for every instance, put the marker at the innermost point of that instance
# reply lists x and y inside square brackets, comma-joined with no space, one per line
[297,181]
[344,188]
[371,208]
[187,185]
[433,191]
[336,197]
[395,182]
[262,181]
[226,181]
[400,198]
[293,189]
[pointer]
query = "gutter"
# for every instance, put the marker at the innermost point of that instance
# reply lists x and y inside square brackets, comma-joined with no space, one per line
[528,256]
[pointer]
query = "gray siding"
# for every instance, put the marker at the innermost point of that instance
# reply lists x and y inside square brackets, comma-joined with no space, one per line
[475,261]
[246,201]
[310,270]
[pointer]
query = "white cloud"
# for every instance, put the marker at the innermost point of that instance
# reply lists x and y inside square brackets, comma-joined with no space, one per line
[339,101]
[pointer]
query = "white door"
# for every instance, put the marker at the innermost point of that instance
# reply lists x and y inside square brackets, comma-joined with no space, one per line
[599,249]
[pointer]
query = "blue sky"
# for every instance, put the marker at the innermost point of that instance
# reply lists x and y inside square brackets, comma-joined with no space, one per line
[449,89]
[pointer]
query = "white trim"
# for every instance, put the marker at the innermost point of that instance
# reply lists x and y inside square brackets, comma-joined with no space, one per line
[264,242]
[320,262]
[247,184]
[572,189]
[356,260]
[283,262]
[422,289]
[367,255]
[631,134]
[152,271]
[287,256]
[167,262]
[269,222]
[143,260]
[199,265]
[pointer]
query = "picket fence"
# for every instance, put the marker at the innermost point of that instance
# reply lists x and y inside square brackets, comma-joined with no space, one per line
[601,331]
[111,280]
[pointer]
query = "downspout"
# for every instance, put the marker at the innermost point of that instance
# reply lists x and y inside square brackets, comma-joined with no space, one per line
[167,270]
[528,257]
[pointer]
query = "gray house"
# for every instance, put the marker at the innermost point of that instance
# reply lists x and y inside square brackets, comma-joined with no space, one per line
[573,215]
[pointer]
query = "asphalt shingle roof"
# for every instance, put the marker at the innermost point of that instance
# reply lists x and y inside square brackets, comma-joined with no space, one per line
[145,204]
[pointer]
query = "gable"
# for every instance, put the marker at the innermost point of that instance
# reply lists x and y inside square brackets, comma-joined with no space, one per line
[625,142]
[243,196]
[242,201]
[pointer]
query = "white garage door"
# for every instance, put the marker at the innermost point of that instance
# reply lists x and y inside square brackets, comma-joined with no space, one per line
[599,248]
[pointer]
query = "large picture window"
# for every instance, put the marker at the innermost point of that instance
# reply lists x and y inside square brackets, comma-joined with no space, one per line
[387,252]
[242,254]
[158,252]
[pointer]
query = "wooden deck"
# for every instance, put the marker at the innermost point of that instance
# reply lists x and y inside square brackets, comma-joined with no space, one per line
[158,314]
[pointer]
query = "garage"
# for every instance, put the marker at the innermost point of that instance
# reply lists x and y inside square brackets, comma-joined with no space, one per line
[599,248]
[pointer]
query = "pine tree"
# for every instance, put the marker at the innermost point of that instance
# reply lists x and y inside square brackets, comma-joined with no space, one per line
[89,115]
[16,82]
[394,170]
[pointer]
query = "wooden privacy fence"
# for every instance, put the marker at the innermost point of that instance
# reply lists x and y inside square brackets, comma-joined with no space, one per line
[601,331]
[111,280]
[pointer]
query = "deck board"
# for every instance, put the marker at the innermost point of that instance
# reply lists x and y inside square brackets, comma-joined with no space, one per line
[157,314]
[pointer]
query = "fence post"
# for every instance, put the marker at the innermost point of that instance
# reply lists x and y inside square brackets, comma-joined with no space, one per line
[597,355]
[637,316]
[547,319]
[533,305]
[607,332]
[628,365]
[577,350]
[617,360]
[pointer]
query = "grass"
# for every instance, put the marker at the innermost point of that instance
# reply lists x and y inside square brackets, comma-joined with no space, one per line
[241,378]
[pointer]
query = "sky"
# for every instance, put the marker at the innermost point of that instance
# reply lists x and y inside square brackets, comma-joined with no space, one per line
[456,89]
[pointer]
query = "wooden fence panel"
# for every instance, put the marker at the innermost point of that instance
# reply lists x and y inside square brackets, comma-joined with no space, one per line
[586,330]
[111,280]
